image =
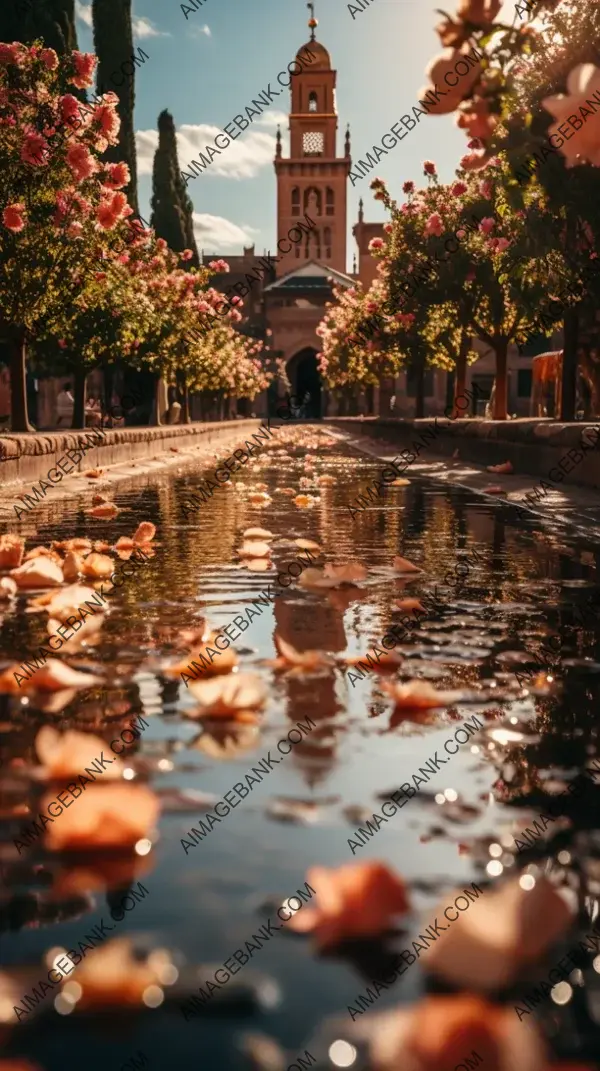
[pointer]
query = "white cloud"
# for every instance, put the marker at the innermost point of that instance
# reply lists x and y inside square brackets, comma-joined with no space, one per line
[215,233]
[243,158]
[142,27]
[273,119]
[84,12]
[145,28]
[199,31]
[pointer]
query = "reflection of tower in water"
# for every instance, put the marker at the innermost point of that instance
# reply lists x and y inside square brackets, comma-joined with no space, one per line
[311,623]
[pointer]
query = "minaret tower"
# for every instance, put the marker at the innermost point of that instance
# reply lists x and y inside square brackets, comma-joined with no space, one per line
[313,180]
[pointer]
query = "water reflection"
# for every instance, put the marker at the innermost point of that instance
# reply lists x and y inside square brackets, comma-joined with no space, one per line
[524,587]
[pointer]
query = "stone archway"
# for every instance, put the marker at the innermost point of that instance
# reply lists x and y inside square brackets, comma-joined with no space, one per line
[305,378]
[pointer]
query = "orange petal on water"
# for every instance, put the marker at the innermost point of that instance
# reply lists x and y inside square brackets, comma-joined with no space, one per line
[402,565]
[109,816]
[98,566]
[419,695]
[386,661]
[504,930]
[100,500]
[257,533]
[353,900]
[43,552]
[67,754]
[208,666]
[93,474]
[106,511]
[259,498]
[56,675]
[307,544]
[504,469]
[62,603]
[254,549]
[326,481]
[79,545]
[303,659]
[315,578]
[144,532]
[112,977]
[86,633]
[225,696]
[72,567]
[304,501]
[12,548]
[124,543]
[258,565]
[350,573]
[285,490]
[8,588]
[494,489]
[262,487]
[38,573]
[400,481]
[410,604]
[102,546]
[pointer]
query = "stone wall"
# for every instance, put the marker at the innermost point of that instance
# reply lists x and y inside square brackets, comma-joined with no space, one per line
[29,457]
[533,446]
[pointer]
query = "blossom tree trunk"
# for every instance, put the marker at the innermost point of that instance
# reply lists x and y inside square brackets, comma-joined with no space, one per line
[79,380]
[460,379]
[500,410]
[420,390]
[18,384]
[568,399]
[184,397]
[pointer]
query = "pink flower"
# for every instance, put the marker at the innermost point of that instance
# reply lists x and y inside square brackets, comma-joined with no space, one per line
[502,245]
[487,225]
[470,277]
[458,189]
[445,64]
[81,162]
[187,254]
[375,243]
[34,150]
[408,187]
[372,306]
[10,54]
[460,233]
[118,176]
[584,144]
[219,265]
[474,161]
[110,210]
[12,217]
[109,121]
[429,167]
[388,228]
[486,189]
[49,58]
[85,65]
[435,224]
[62,343]
[69,108]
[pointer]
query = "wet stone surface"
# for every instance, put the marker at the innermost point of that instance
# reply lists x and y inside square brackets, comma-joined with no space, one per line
[521,586]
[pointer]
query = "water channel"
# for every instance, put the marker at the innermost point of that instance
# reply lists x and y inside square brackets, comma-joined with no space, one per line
[521,584]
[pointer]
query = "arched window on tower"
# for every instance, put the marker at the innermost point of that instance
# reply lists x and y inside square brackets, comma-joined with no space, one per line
[312,249]
[312,101]
[329,210]
[295,201]
[313,201]
[327,242]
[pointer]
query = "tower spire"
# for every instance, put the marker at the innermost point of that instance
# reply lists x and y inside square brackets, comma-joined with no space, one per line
[312,22]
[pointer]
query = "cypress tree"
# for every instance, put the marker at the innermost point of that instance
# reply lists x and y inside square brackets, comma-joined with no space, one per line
[172,209]
[113,44]
[52,20]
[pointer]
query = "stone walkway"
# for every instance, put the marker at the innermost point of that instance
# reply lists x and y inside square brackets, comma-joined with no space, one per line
[575,507]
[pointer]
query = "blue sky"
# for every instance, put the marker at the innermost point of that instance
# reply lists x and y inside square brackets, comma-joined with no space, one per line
[205,69]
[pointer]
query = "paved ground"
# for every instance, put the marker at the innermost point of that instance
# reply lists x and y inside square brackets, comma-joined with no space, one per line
[574,507]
